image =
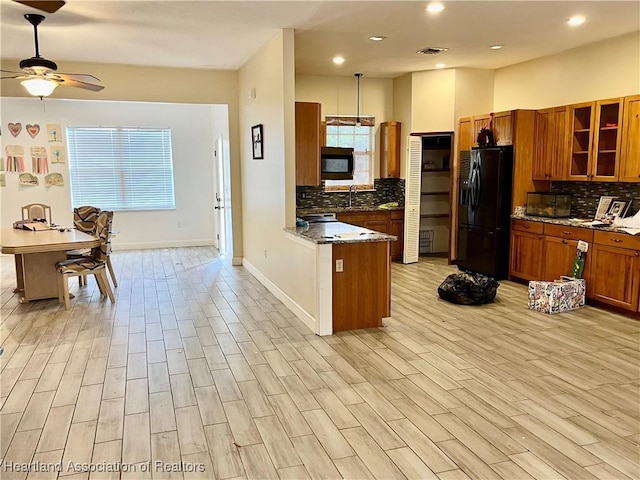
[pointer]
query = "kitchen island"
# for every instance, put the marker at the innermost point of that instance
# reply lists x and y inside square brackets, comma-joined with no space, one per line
[354,275]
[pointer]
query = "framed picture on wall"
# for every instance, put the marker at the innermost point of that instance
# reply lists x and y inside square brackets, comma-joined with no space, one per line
[256,141]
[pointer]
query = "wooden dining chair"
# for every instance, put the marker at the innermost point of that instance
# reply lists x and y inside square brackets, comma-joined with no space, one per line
[93,264]
[36,211]
[84,219]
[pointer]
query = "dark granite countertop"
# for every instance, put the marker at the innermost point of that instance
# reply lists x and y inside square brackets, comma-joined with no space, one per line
[355,208]
[338,232]
[566,221]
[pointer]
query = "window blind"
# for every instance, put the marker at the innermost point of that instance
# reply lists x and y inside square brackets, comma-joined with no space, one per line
[121,168]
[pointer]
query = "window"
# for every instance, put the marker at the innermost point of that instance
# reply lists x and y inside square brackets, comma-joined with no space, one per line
[343,132]
[121,168]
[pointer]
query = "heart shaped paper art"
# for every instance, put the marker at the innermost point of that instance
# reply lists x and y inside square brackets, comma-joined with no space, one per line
[15,128]
[33,130]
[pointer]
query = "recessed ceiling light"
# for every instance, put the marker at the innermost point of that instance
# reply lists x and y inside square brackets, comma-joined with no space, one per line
[377,38]
[576,20]
[496,47]
[338,60]
[435,7]
[441,65]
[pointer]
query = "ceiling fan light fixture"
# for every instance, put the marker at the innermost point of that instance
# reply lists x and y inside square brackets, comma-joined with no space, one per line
[39,87]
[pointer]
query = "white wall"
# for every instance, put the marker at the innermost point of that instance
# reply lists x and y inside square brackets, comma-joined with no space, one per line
[602,70]
[473,92]
[286,265]
[432,101]
[193,127]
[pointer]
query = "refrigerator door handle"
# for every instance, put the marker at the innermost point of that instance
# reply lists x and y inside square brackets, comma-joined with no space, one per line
[478,187]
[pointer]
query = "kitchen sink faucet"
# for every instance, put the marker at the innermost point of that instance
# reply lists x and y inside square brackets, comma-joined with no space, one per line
[352,189]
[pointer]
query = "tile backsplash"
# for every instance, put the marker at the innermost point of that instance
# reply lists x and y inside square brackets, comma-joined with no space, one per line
[386,190]
[586,195]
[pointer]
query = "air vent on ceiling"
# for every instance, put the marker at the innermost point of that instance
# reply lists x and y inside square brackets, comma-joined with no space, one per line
[432,50]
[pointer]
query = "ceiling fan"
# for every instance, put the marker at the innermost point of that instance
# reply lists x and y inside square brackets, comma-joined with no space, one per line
[46,6]
[39,75]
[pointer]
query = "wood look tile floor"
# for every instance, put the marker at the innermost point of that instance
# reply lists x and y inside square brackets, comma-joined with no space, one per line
[198,371]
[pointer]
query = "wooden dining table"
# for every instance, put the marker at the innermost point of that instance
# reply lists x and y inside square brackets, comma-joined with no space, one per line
[36,254]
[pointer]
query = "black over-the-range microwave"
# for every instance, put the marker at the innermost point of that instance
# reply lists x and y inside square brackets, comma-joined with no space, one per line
[336,163]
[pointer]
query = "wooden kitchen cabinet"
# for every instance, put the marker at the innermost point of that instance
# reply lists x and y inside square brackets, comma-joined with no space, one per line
[560,247]
[527,248]
[308,140]
[594,141]
[630,149]
[550,142]
[615,270]
[390,149]
[396,227]
[386,221]
[503,128]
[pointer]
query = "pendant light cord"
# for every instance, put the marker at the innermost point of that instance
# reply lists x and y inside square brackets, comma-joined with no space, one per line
[358,123]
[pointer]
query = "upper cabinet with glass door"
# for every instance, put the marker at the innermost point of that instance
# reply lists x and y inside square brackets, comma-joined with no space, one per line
[595,133]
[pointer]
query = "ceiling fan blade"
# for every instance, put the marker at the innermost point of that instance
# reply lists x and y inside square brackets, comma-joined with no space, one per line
[16,76]
[77,83]
[11,71]
[46,6]
[79,77]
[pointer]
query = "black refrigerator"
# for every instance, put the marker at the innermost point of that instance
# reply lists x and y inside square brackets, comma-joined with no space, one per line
[486,175]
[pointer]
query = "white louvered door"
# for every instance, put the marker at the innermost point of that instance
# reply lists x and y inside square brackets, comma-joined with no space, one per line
[412,200]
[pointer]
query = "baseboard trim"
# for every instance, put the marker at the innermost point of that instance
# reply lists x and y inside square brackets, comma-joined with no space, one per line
[297,310]
[154,245]
[236,261]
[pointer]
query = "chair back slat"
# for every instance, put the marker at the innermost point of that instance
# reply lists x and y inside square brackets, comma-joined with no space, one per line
[85,218]
[103,232]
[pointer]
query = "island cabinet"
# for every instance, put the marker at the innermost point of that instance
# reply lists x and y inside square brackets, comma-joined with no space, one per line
[550,144]
[630,151]
[385,221]
[390,149]
[615,270]
[308,140]
[527,247]
[361,287]
[595,134]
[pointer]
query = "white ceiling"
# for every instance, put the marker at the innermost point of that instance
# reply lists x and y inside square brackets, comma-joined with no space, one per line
[225,34]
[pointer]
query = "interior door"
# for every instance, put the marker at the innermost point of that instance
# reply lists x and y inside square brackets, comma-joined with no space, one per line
[219,198]
[412,200]
[222,200]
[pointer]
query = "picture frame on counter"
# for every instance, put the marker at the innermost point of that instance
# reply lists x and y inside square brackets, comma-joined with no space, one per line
[618,208]
[603,207]
[256,141]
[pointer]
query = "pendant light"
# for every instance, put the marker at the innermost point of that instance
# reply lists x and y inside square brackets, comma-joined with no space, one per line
[358,122]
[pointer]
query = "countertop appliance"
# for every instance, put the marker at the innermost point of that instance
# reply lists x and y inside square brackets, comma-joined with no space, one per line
[486,176]
[336,163]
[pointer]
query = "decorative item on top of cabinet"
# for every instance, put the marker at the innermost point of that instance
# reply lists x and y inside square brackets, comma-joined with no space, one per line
[550,144]
[594,143]
[307,143]
[390,149]
[630,151]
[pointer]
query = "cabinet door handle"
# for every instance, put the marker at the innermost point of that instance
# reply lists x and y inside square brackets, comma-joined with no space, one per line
[564,241]
[637,254]
[566,232]
[526,226]
[617,240]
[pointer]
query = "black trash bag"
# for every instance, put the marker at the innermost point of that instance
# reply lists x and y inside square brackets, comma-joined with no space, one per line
[468,288]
